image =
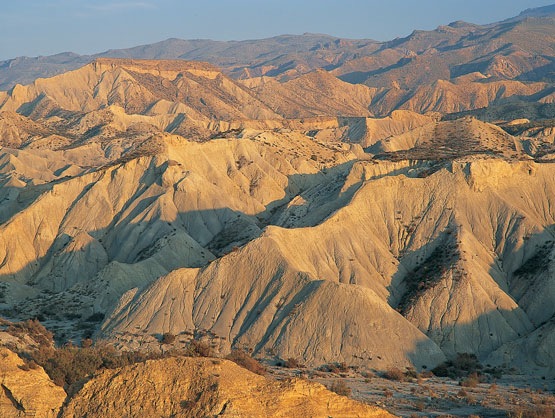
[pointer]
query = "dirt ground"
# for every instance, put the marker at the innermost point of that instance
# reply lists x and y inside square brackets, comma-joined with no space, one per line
[514,396]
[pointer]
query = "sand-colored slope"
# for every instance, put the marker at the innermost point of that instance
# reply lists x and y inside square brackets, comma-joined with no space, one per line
[313,94]
[458,95]
[451,139]
[399,122]
[137,85]
[394,237]
[131,222]
[16,130]
[192,387]
[180,386]
[283,311]
[303,240]
[27,392]
[533,352]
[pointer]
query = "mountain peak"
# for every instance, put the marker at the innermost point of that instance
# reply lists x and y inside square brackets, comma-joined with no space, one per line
[538,11]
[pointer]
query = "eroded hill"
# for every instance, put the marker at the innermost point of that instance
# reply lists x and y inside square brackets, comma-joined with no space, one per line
[149,197]
[174,386]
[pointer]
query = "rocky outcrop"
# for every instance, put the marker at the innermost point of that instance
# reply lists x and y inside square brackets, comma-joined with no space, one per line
[192,387]
[26,391]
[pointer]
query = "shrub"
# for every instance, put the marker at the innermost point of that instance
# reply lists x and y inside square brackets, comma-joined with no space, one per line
[34,329]
[466,362]
[533,412]
[95,317]
[367,374]
[199,349]
[32,364]
[86,343]
[244,360]
[394,374]
[168,338]
[442,370]
[292,363]
[341,388]
[70,364]
[462,365]
[335,368]
[420,406]
[470,382]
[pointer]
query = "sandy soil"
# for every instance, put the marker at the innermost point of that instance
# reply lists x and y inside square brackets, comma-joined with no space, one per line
[511,395]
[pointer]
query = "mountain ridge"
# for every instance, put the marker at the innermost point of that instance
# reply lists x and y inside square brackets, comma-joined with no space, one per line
[289,56]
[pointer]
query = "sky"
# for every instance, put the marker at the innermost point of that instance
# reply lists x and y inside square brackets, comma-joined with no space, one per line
[45,27]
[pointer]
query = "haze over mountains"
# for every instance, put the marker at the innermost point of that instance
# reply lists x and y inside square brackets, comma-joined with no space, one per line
[457,67]
[300,197]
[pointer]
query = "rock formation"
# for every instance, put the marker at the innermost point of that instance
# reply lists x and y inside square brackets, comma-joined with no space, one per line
[192,387]
[27,391]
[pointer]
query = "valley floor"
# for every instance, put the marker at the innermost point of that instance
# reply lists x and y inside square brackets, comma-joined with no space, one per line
[510,396]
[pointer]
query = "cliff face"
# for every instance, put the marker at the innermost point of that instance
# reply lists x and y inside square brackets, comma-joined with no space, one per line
[26,392]
[192,387]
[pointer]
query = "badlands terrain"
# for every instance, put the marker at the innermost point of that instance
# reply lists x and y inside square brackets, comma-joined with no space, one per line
[382,205]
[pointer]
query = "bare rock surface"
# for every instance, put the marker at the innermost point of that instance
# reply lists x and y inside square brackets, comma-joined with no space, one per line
[27,392]
[191,387]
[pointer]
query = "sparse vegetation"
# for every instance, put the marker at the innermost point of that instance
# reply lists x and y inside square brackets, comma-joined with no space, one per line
[198,349]
[167,338]
[470,381]
[430,271]
[395,374]
[533,412]
[292,363]
[427,257]
[341,388]
[336,368]
[95,317]
[69,364]
[34,329]
[463,365]
[244,360]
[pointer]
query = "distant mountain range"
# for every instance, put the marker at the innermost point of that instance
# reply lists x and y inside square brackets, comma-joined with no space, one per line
[454,68]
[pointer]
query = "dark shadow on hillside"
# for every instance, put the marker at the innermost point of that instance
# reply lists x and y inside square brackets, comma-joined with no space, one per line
[192,239]
[545,73]
[425,269]
[489,331]
[358,77]
[151,238]
[531,279]
[510,108]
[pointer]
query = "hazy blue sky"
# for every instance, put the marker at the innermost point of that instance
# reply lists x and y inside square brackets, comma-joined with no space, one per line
[44,27]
